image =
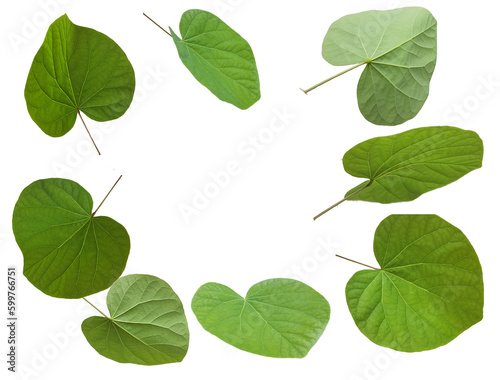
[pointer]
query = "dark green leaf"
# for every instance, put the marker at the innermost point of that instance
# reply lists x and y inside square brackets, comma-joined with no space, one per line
[75,69]
[404,166]
[68,253]
[429,288]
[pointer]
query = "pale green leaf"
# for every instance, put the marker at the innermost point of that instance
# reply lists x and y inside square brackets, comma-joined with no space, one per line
[68,253]
[399,48]
[146,325]
[429,288]
[75,69]
[280,318]
[218,57]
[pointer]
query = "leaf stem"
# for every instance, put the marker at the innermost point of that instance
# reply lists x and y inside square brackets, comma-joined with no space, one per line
[93,142]
[357,262]
[335,76]
[158,25]
[90,303]
[341,201]
[107,195]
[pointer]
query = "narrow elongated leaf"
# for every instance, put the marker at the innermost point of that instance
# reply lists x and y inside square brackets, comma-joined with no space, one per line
[399,48]
[68,253]
[404,166]
[146,326]
[429,288]
[281,318]
[75,69]
[218,57]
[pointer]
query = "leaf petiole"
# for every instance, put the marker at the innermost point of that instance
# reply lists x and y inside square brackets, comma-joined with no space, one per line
[357,262]
[107,195]
[341,201]
[158,25]
[93,142]
[90,303]
[335,76]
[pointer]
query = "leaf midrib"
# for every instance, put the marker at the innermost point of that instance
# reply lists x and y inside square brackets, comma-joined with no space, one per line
[376,175]
[287,308]
[232,80]
[64,242]
[267,323]
[401,44]
[388,274]
[139,340]
[408,305]
[115,317]
[67,58]
[89,223]
[77,102]
[248,302]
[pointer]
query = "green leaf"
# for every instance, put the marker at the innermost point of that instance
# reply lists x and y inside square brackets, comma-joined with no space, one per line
[399,48]
[218,57]
[404,166]
[68,252]
[146,326]
[429,288]
[75,69]
[281,318]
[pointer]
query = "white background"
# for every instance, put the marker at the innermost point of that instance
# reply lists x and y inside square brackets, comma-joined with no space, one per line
[260,225]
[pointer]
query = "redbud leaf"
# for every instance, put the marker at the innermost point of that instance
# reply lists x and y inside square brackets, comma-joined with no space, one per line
[280,318]
[429,288]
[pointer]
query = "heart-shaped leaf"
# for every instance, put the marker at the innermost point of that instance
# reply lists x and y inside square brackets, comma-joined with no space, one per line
[429,288]
[281,318]
[404,166]
[399,49]
[146,326]
[77,69]
[68,252]
[218,57]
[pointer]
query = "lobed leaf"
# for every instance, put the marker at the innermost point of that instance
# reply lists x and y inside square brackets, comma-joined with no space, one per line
[147,324]
[68,253]
[404,166]
[218,57]
[399,48]
[429,288]
[77,68]
[280,318]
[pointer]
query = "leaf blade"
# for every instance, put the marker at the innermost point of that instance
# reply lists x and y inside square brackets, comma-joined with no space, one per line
[404,166]
[277,318]
[147,324]
[218,57]
[428,291]
[400,51]
[77,68]
[67,252]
